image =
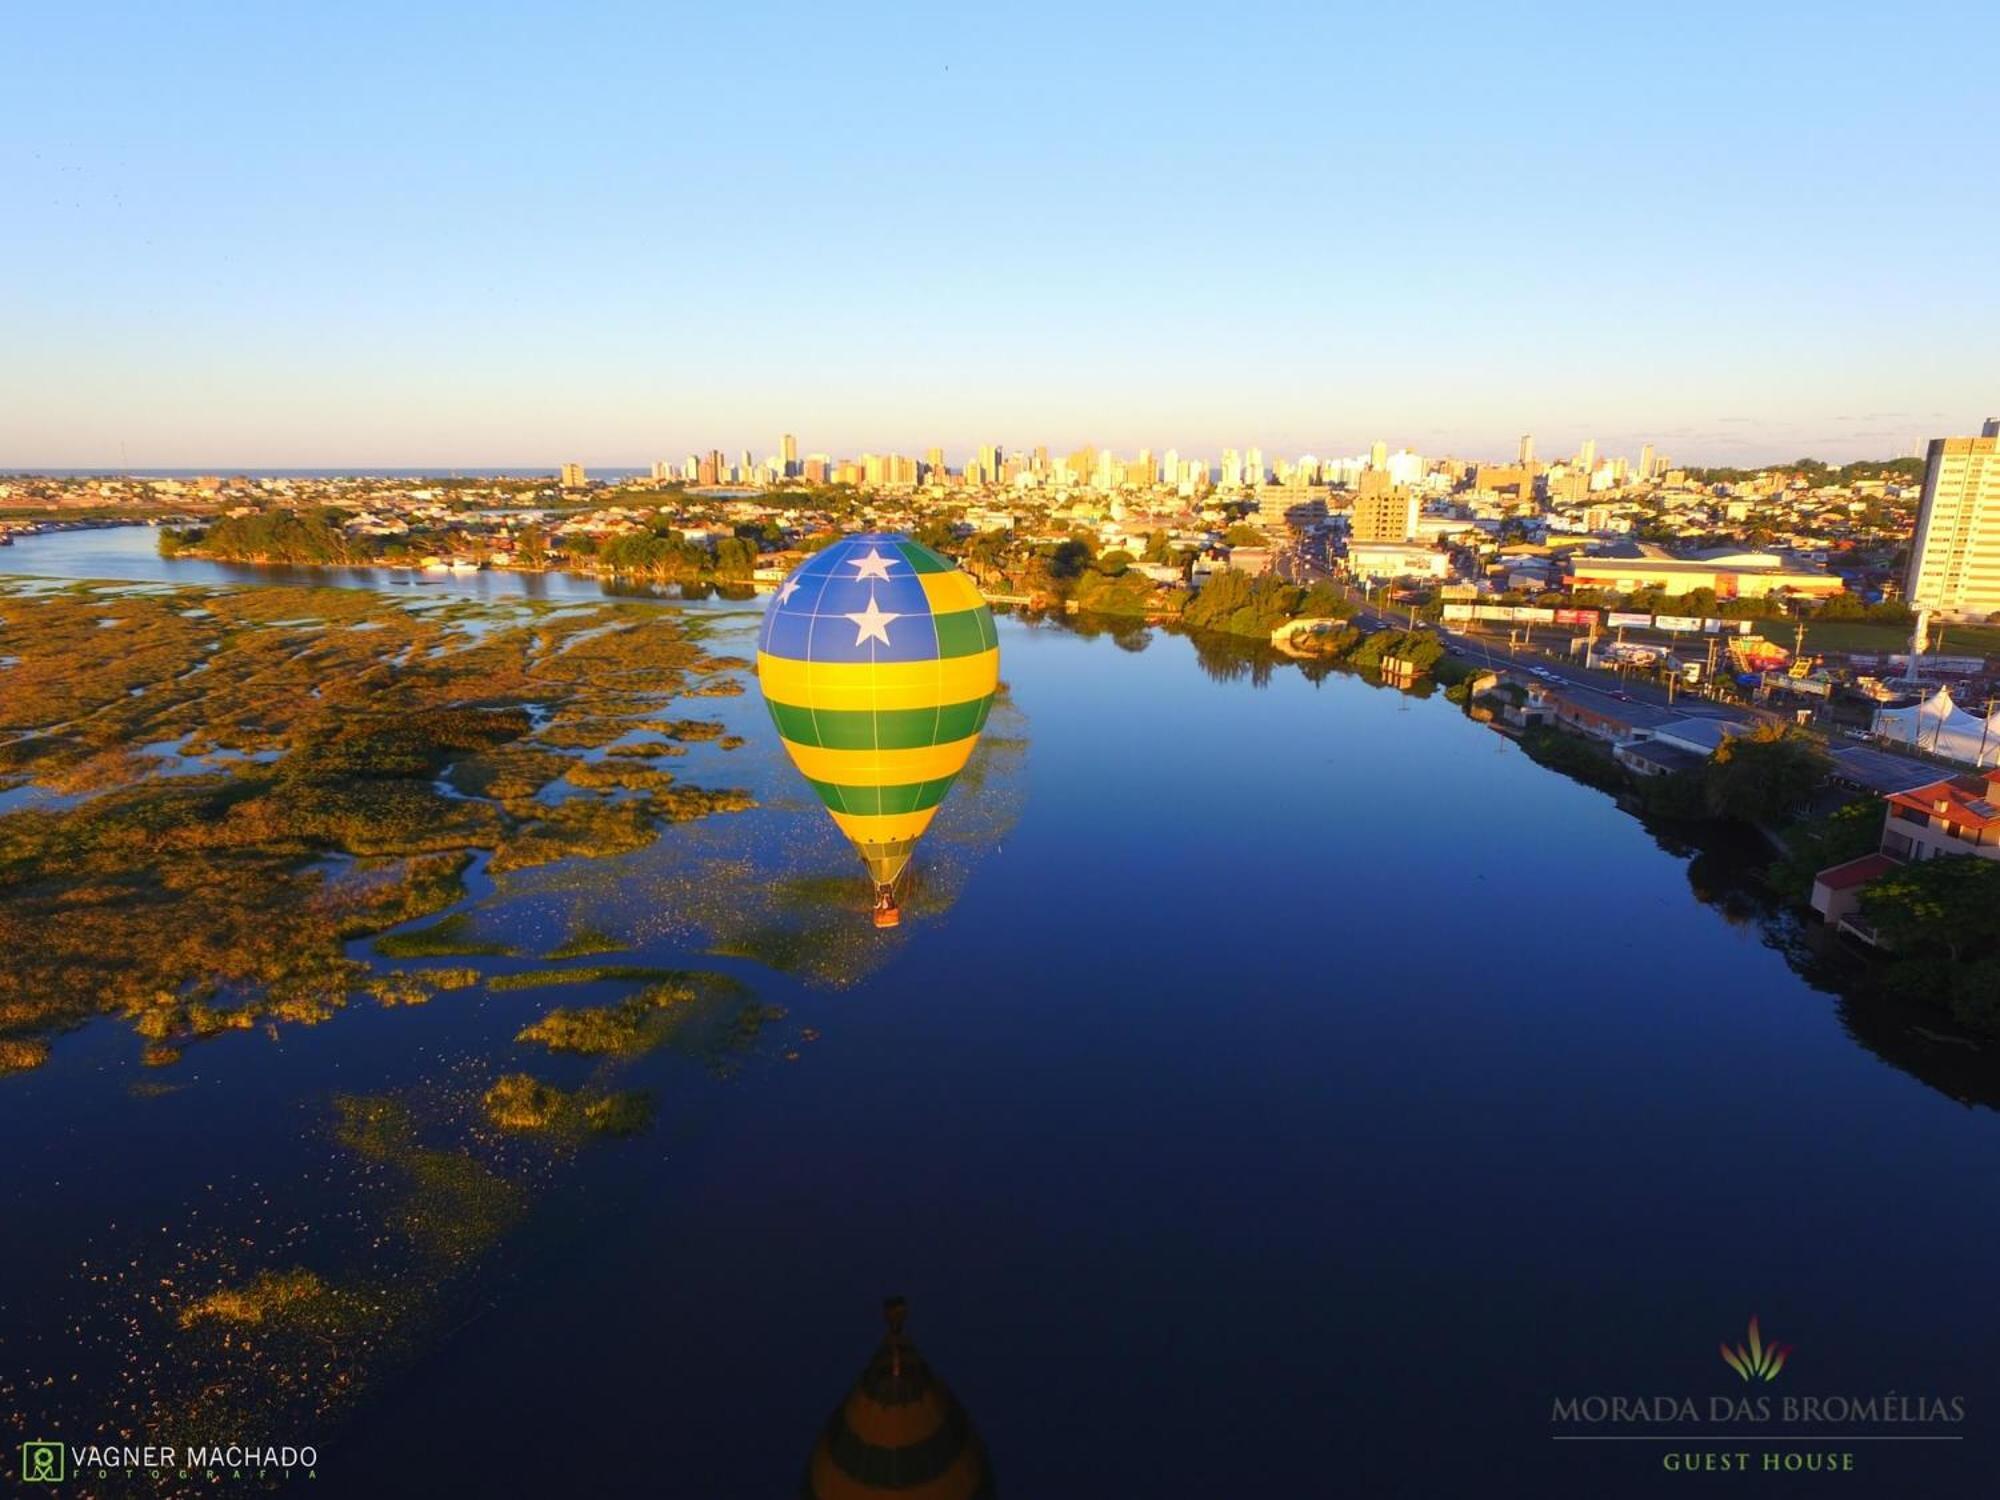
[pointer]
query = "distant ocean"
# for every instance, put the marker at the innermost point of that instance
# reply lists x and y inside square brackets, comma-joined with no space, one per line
[359,471]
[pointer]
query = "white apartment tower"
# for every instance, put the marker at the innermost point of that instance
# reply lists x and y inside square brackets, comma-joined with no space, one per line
[1955,555]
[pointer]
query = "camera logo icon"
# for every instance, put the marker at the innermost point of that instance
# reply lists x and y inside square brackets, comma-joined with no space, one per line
[43,1463]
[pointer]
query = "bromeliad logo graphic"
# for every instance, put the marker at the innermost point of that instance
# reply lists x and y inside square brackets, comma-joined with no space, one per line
[1757,1360]
[42,1463]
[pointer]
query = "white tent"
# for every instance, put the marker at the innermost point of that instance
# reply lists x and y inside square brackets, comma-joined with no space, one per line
[1943,728]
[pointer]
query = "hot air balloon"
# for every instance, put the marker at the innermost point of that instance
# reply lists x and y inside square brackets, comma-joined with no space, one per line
[878,660]
[899,1432]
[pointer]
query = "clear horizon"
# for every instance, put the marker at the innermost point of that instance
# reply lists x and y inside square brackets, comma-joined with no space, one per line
[513,237]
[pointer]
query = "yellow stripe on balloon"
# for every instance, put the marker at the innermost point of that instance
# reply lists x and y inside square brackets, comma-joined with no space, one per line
[882,767]
[878,685]
[884,828]
[950,592]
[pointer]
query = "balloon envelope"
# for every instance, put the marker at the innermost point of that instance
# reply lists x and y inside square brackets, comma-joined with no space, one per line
[879,660]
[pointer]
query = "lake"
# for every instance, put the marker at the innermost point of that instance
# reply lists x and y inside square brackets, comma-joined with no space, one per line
[1287,1087]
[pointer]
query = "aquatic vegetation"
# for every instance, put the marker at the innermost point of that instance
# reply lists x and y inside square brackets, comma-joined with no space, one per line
[584,942]
[648,749]
[335,760]
[691,731]
[271,1295]
[683,804]
[20,1053]
[400,988]
[624,1028]
[454,1205]
[448,937]
[534,979]
[609,775]
[625,1113]
[518,1102]
[511,773]
[577,827]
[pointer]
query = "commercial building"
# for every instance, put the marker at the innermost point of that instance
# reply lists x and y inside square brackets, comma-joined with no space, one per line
[1283,508]
[1383,515]
[1955,556]
[1396,560]
[1631,566]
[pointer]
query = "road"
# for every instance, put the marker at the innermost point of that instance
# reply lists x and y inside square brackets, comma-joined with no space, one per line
[1494,652]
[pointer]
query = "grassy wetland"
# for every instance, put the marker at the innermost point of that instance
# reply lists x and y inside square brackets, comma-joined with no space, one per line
[416,913]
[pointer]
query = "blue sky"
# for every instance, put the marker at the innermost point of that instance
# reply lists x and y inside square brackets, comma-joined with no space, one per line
[402,234]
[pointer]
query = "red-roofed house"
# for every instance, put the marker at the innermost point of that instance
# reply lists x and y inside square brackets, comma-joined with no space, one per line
[1836,892]
[1957,815]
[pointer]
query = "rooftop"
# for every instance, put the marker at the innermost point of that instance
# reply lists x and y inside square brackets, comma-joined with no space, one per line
[1962,801]
[1856,872]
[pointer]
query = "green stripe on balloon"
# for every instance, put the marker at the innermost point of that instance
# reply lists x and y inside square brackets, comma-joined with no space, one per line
[886,729]
[879,801]
[922,560]
[965,632]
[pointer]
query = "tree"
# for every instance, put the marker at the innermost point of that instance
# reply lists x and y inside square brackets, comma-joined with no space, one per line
[939,535]
[1765,776]
[1947,907]
[1240,535]
[735,557]
[1820,843]
[1066,560]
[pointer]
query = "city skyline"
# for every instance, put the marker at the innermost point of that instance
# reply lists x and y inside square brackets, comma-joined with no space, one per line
[293,239]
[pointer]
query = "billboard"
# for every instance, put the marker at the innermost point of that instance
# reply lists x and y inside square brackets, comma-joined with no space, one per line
[1677,622]
[1635,622]
[1582,617]
[1458,612]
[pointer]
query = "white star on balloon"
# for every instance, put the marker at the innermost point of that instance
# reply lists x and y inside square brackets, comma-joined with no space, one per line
[871,624]
[874,565]
[785,594]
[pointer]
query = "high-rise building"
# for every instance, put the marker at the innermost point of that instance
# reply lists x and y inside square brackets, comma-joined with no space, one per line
[1382,514]
[1955,555]
[1527,454]
[788,453]
[1232,469]
[1378,455]
[573,477]
[1586,456]
[1645,463]
[1404,467]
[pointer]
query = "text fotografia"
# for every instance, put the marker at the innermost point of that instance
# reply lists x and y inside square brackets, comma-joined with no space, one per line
[159,1460]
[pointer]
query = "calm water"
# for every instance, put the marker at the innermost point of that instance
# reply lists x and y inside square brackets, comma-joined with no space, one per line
[1299,1091]
[132,552]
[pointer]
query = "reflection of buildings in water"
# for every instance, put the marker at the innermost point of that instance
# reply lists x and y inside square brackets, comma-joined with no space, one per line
[900,1431]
